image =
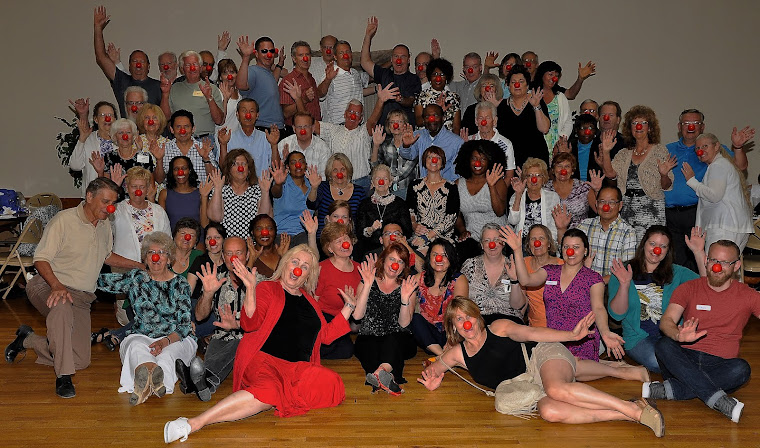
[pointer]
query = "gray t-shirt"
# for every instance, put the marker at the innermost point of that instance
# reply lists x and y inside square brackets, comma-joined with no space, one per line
[190,97]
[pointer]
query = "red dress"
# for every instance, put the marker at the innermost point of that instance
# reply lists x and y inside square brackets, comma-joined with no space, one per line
[291,387]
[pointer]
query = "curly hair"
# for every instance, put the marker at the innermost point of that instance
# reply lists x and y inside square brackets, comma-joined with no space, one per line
[443,65]
[490,150]
[229,162]
[518,69]
[192,176]
[159,239]
[649,116]
[533,162]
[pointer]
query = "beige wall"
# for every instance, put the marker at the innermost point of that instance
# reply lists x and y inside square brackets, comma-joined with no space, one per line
[666,54]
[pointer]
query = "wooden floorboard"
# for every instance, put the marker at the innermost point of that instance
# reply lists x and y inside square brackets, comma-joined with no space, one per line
[454,416]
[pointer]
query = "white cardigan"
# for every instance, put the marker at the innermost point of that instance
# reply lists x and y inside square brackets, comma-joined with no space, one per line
[565,122]
[80,160]
[721,202]
[549,200]
[124,236]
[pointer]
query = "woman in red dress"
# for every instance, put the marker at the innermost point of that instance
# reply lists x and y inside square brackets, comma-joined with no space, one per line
[277,363]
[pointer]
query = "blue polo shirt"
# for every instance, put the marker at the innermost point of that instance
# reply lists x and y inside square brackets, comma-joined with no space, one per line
[263,88]
[288,207]
[682,194]
[257,146]
[446,140]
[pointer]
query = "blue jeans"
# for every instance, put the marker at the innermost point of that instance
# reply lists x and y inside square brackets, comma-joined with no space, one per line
[366,183]
[220,359]
[643,353]
[425,333]
[693,374]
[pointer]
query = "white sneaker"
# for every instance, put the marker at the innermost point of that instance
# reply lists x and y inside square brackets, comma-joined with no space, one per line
[177,429]
[736,413]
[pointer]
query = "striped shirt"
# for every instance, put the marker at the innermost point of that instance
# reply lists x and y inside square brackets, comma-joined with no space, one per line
[619,241]
[345,87]
[355,144]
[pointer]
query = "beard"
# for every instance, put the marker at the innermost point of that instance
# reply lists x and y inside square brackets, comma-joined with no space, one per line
[717,280]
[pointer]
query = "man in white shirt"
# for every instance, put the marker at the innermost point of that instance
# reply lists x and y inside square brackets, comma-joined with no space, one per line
[314,149]
[341,84]
[485,118]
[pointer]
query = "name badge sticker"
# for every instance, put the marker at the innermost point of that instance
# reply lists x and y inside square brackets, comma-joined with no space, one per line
[504,281]
[143,158]
[704,308]
[197,93]
[551,283]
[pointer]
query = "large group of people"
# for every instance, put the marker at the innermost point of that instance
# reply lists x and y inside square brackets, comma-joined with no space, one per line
[254,217]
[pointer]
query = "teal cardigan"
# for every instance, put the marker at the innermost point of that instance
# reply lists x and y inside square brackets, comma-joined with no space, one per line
[631,320]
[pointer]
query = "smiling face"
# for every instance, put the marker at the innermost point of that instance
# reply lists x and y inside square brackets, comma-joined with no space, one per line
[608,204]
[517,85]
[564,166]
[192,68]
[486,121]
[491,243]
[507,66]
[708,149]
[578,250]
[247,114]
[339,249]
[297,165]
[265,55]
[353,116]
[438,252]
[302,261]
[181,123]
[657,242]
[150,117]
[181,171]
[342,61]
[400,60]
[104,117]
[135,185]
[302,58]
[469,330]
[690,126]
[213,234]
[433,162]
[548,79]
[381,182]
[138,65]
[339,170]
[727,259]
[640,128]
[234,247]
[264,233]
[302,123]
[391,234]
[162,261]
[182,241]
[586,133]
[239,169]
[420,66]
[134,102]
[537,234]
[609,120]
[124,138]
[472,69]
[391,260]
[536,173]
[97,204]
[438,81]
[478,164]
[433,117]
[167,64]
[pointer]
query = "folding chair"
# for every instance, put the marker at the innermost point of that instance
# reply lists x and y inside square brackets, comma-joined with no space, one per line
[32,234]
[43,199]
[751,262]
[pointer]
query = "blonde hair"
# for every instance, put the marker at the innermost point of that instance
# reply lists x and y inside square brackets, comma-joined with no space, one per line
[313,275]
[138,173]
[147,108]
[469,308]
[742,180]
[533,162]
[342,158]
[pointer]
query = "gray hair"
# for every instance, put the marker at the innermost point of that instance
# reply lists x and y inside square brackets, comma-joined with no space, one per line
[489,226]
[158,239]
[299,43]
[381,167]
[174,56]
[354,102]
[188,53]
[485,105]
[137,89]
[120,124]
[101,183]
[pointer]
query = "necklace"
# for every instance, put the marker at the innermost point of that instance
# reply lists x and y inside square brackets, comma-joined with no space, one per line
[515,108]
[434,182]
[636,153]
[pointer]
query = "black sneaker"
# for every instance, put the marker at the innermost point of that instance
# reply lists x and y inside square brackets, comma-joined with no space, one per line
[64,388]
[198,377]
[654,390]
[730,407]
[17,346]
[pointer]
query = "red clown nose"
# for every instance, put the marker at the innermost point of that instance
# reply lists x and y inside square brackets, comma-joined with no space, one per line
[240,168]
[431,118]
[138,192]
[691,127]
[509,67]
[230,77]
[395,266]
[555,79]
[606,208]
[470,70]
[439,79]
[264,232]
[381,182]
[717,268]
[125,137]
[233,258]
[151,122]
[420,68]
[657,250]
[488,88]
[138,65]
[183,131]
[346,56]
[467,325]
[537,243]
[395,125]
[340,175]
[483,122]
[398,61]
[298,165]
[305,59]
[340,221]
[393,237]
[606,117]
[188,237]
[346,245]
[528,64]
[534,179]
[180,172]
[193,68]
[166,66]
[439,258]
[302,132]
[587,132]
[270,55]
[570,252]
[563,172]
[108,119]
[434,160]
[328,51]
[248,116]
[111,208]
[212,242]
[297,272]
[155,257]
[353,116]
[639,126]
[517,85]
[492,245]
[478,164]
[133,108]
[700,152]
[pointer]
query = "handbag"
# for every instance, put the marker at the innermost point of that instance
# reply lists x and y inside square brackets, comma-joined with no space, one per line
[519,396]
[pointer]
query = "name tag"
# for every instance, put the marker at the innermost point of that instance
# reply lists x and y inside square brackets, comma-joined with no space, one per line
[504,281]
[704,307]
[197,93]
[143,158]
[551,283]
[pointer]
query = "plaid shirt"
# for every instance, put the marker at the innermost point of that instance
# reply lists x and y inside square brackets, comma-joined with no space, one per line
[173,151]
[619,241]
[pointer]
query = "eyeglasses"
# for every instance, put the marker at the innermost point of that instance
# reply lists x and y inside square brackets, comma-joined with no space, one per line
[106,115]
[265,51]
[135,103]
[603,202]
[643,123]
[695,123]
[589,111]
[725,264]
[391,233]
[158,252]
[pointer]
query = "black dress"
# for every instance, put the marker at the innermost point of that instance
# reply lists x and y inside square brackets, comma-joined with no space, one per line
[522,131]
[374,209]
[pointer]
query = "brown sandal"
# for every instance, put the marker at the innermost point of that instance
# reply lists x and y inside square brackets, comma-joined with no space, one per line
[651,417]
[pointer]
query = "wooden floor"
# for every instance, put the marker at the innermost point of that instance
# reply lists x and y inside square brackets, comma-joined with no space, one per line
[455,415]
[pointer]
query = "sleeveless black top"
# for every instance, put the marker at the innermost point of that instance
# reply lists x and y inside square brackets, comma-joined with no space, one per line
[499,359]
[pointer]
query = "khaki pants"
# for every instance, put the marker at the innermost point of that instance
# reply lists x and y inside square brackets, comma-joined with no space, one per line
[67,346]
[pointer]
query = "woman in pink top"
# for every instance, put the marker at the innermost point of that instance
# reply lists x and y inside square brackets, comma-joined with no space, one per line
[337,273]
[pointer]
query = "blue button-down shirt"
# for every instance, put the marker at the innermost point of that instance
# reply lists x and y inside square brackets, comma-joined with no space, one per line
[682,194]
[446,140]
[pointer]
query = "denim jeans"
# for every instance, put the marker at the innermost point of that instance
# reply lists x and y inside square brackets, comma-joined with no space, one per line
[643,353]
[693,374]
[220,358]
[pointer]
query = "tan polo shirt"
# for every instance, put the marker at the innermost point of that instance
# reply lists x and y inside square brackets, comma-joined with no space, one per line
[75,248]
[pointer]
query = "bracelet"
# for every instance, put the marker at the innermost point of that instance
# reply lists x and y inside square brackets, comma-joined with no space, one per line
[207,161]
[536,107]
[167,338]
[279,66]
[513,282]
[405,304]
[737,148]
[350,305]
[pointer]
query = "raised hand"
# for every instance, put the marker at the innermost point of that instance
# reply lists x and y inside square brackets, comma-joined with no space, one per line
[463,134]
[597,178]
[696,242]
[273,134]
[581,329]
[510,267]
[101,18]
[490,96]
[687,171]
[562,216]
[97,162]
[292,89]
[81,107]
[282,57]
[245,48]
[209,278]
[227,318]
[310,223]
[562,145]
[166,86]
[254,250]
[664,166]
[284,244]
[227,90]
[740,138]
[313,175]
[371,27]
[331,71]
[378,135]
[205,147]
[157,150]
[206,89]
[205,186]
[278,172]
[688,331]
[114,54]
[513,240]
[535,97]
[495,174]
[223,41]
[614,344]
[241,271]
[349,296]
[435,48]
[266,179]
[409,285]
[310,94]
[519,185]
[609,140]
[409,137]
[118,174]
[623,273]
[217,179]
[367,270]
[584,72]
[388,93]
[490,61]
[223,136]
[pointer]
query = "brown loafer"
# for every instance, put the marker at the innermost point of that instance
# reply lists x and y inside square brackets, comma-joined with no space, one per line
[651,417]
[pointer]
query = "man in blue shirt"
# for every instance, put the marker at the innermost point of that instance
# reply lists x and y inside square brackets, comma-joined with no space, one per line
[415,143]
[681,201]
